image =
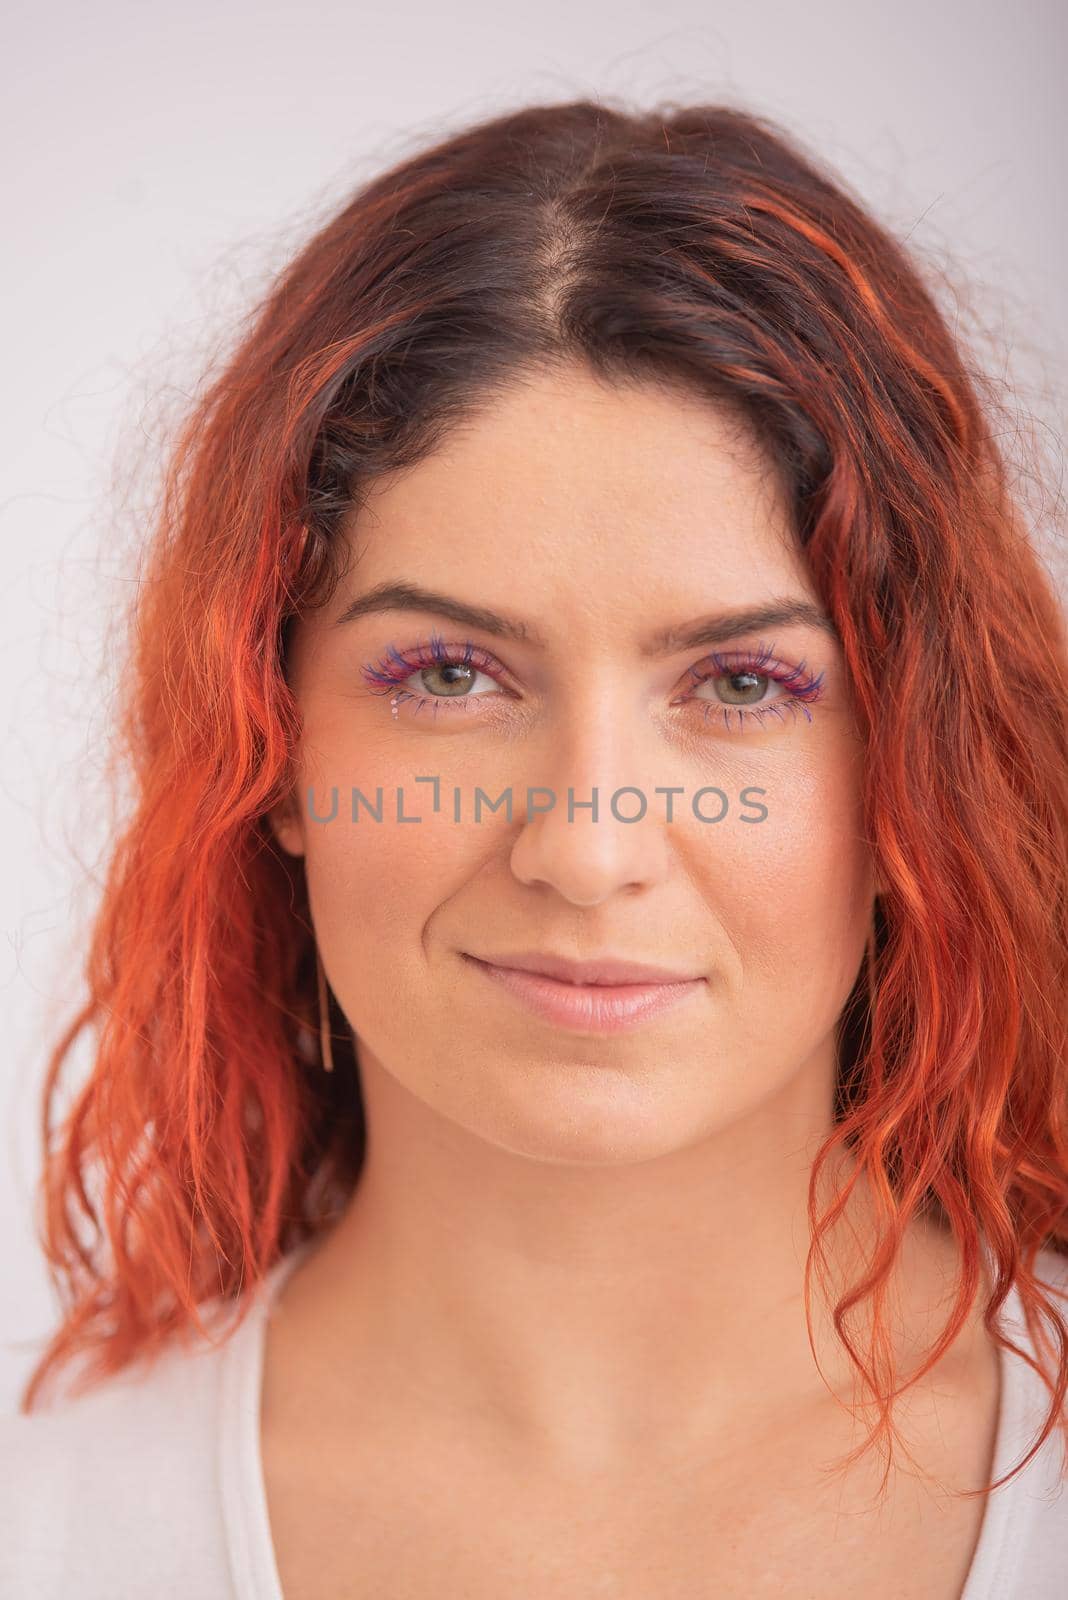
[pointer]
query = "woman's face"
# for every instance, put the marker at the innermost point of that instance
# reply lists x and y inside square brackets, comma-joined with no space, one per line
[605,525]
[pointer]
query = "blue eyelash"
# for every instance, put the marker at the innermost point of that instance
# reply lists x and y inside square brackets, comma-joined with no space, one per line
[802,687]
[384,676]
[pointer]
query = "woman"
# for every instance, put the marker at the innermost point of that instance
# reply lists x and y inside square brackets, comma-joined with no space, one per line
[579,1098]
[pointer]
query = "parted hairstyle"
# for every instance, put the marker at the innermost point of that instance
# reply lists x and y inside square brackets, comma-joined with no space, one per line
[699,246]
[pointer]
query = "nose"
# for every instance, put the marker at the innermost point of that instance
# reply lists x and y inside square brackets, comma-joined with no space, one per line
[595,825]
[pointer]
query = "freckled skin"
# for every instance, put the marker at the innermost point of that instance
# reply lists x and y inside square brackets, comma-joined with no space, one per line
[570,1254]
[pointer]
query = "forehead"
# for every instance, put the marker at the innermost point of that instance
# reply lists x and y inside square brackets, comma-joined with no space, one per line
[606,500]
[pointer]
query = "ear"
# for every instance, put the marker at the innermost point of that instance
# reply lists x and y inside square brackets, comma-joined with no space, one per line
[287,825]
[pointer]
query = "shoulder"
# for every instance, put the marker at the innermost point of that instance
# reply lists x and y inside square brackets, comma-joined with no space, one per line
[1035,1549]
[117,1487]
[1051,1266]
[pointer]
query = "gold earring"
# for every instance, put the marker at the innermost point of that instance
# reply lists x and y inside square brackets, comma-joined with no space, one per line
[869,949]
[324,1016]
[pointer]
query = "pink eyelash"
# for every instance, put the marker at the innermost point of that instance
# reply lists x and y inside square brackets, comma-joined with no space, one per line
[802,687]
[394,668]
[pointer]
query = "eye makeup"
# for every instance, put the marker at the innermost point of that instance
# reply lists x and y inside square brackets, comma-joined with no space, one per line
[461,665]
[801,688]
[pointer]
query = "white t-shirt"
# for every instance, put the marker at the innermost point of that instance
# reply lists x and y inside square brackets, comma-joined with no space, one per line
[152,1484]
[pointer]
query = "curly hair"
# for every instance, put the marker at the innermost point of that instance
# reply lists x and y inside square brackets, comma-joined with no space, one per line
[698,246]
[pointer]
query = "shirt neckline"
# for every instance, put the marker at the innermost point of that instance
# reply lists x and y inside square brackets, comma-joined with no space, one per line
[1010,1508]
[249,1541]
[243,1488]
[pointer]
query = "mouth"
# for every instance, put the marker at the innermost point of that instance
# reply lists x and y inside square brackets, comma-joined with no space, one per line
[592,1008]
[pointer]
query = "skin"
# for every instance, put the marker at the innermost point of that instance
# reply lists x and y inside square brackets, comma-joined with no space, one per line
[584,1254]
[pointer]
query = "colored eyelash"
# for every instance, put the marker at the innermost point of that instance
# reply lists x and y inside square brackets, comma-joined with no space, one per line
[394,668]
[802,687]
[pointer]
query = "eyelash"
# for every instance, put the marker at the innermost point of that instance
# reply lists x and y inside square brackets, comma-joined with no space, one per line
[802,687]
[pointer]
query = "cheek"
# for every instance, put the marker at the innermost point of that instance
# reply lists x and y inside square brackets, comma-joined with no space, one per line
[374,887]
[795,889]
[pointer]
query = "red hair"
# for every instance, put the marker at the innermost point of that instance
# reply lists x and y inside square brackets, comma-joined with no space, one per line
[696,246]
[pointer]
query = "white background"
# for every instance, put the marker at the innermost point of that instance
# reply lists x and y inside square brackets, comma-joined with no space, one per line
[161,161]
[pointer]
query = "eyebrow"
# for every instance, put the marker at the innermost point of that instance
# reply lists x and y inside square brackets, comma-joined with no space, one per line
[712,629]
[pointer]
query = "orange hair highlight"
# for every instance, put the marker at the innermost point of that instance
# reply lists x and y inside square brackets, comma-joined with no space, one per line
[697,246]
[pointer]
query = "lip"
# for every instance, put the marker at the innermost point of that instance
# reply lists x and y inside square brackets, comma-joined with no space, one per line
[603,971]
[591,1008]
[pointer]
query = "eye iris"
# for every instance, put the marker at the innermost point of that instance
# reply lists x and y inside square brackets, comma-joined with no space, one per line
[754,689]
[453,685]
